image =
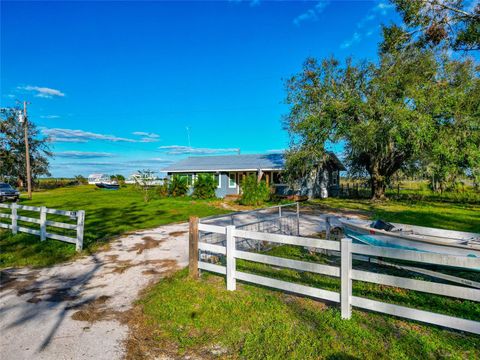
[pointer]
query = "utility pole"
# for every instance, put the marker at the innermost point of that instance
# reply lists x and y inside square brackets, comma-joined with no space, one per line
[27,150]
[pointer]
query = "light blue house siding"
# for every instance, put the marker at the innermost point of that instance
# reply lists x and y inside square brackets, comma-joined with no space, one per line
[223,188]
[226,187]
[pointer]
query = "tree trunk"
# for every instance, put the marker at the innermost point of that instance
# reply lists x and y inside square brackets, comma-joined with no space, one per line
[378,185]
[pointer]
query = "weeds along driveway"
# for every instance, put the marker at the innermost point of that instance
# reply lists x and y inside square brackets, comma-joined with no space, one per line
[79,310]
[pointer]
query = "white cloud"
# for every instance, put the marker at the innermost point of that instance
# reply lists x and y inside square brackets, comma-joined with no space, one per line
[252,2]
[370,31]
[353,40]
[83,154]
[379,9]
[382,8]
[43,92]
[188,150]
[81,136]
[311,14]
[72,167]
[69,135]
[276,151]
[147,134]
[148,162]
[49,116]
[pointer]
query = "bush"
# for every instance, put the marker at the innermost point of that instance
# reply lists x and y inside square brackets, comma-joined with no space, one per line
[53,183]
[204,187]
[81,180]
[162,190]
[120,179]
[142,183]
[178,186]
[254,192]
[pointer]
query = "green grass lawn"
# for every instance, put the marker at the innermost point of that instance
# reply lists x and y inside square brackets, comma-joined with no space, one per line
[107,214]
[192,317]
[454,216]
[184,316]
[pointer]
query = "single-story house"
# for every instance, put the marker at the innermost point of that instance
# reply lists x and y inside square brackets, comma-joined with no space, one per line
[229,171]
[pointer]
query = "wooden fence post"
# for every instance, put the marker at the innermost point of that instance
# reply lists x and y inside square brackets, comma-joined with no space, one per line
[80,228]
[346,278]
[231,263]
[279,211]
[193,248]
[14,218]
[43,223]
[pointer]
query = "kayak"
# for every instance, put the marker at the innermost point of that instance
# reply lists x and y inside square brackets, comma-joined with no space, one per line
[411,237]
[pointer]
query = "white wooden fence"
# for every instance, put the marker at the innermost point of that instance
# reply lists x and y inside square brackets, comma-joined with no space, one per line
[344,272]
[43,222]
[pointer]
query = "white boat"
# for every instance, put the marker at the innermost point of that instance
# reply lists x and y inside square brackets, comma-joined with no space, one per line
[413,237]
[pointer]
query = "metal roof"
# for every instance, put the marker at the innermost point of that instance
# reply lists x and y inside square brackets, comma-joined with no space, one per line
[251,162]
[246,162]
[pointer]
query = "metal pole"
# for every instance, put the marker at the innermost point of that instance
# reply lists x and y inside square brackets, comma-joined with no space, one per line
[327,227]
[27,151]
[298,218]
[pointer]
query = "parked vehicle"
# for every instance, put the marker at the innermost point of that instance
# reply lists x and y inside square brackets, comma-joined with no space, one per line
[7,192]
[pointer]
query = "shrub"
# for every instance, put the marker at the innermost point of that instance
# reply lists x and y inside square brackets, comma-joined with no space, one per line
[120,179]
[162,190]
[204,187]
[142,183]
[53,183]
[254,192]
[178,186]
[81,180]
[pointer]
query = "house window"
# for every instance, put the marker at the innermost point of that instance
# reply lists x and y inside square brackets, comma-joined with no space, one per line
[232,180]
[190,178]
[335,178]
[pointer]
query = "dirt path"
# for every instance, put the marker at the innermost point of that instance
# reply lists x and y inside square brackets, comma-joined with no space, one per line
[75,310]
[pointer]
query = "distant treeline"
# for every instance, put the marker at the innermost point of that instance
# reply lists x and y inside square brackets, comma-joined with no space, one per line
[54,183]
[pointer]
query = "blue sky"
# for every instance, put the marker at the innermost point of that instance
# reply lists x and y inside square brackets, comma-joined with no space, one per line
[122,86]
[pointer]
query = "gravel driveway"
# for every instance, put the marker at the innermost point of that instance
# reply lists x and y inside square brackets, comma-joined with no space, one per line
[74,310]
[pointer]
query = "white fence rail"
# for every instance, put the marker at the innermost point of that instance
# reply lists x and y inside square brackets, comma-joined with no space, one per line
[279,219]
[344,272]
[44,223]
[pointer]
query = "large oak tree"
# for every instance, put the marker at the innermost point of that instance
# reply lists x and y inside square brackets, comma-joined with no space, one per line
[387,114]
[453,24]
